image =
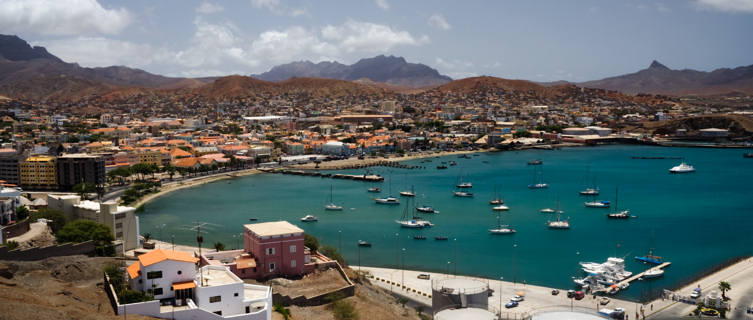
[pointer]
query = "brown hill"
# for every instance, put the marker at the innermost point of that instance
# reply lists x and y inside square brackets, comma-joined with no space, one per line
[485,83]
[241,86]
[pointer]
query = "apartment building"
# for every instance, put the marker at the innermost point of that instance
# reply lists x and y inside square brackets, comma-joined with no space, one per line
[38,173]
[121,220]
[76,168]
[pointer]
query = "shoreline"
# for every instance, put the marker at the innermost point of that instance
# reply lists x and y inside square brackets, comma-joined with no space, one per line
[193,182]
[335,164]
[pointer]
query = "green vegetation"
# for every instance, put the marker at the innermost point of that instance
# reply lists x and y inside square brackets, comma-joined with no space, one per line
[22,213]
[85,230]
[311,242]
[57,217]
[341,308]
[125,295]
[11,245]
[138,190]
[219,246]
[332,253]
[285,312]
[84,188]
[522,134]
[724,286]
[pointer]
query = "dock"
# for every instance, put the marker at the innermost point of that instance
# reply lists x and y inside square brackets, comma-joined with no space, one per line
[635,277]
[358,177]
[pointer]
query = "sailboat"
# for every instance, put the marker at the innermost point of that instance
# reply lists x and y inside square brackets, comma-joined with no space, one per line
[463,184]
[408,193]
[497,200]
[426,209]
[589,191]
[650,257]
[559,223]
[332,206]
[388,199]
[538,179]
[616,214]
[408,221]
[501,229]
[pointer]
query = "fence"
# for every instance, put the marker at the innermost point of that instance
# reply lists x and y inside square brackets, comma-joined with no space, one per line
[33,254]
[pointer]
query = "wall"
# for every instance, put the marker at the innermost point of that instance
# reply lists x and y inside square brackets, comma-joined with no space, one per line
[303,301]
[228,304]
[33,254]
[14,230]
[281,257]
[170,275]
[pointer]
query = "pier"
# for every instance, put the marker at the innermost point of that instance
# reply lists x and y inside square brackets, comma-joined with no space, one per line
[357,177]
[634,277]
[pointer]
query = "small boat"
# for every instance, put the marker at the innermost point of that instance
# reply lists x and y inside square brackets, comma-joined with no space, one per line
[419,237]
[682,168]
[441,166]
[408,193]
[426,209]
[501,207]
[387,200]
[597,204]
[538,186]
[462,194]
[309,218]
[590,192]
[653,273]
[362,243]
[559,223]
[650,257]
[547,210]
[414,222]
[748,155]
[375,190]
[464,185]
[497,200]
[535,162]
[617,214]
[332,206]
[253,219]
[464,156]
[500,228]
[538,179]
[453,163]
[440,238]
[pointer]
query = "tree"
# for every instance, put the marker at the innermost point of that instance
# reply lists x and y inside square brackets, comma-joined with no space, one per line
[147,237]
[285,312]
[57,218]
[219,246]
[311,242]
[83,189]
[21,213]
[85,230]
[170,169]
[724,286]
[332,253]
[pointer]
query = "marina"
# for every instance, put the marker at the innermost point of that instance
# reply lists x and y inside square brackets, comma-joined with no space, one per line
[674,206]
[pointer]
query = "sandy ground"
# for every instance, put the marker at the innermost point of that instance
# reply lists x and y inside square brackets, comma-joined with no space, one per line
[39,235]
[535,296]
[177,185]
[367,161]
[310,285]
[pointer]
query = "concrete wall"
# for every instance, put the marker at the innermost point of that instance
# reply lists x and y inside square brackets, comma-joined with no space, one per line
[229,304]
[324,298]
[14,230]
[33,254]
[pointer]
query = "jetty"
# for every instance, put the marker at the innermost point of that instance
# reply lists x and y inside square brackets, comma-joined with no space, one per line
[358,177]
[633,278]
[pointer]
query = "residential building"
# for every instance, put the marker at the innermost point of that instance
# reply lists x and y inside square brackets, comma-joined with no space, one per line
[9,159]
[7,211]
[211,293]
[39,173]
[76,168]
[120,219]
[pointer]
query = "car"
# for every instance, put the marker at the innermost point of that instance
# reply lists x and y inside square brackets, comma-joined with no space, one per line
[517,298]
[511,304]
[570,293]
[604,301]
[579,295]
[710,312]
[424,276]
[695,294]
[555,292]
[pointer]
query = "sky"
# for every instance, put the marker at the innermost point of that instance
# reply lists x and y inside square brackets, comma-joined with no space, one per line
[538,40]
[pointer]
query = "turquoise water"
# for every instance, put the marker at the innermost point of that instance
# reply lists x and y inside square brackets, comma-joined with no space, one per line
[698,219]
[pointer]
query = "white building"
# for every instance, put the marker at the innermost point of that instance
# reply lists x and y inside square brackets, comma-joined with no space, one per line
[121,220]
[14,193]
[212,293]
[333,147]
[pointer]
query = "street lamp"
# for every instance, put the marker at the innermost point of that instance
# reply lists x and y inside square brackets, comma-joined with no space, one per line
[515,264]
[403,269]
[448,269]
[455,240]
[500,296]
[340,241]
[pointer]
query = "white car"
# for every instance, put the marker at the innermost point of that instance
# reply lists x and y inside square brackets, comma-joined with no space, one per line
[695,294]
[517,298]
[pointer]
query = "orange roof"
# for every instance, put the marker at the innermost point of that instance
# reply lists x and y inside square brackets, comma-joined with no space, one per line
[185,162]
[160,255]
[184,285]
[245,263]
[133,270]
[178,153]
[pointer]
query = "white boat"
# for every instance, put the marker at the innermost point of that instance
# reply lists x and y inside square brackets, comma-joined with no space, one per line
[547,210]
[462,194]
[597,204]
[653,273]
[538,179]
[408,193]
[375,190]
[590,192]
[613,268]
[464,185]
[332,206]
[500,228]
[559,223]
[407,222]
[501,208]
[387,200]
[538,186]
[426,209]
[309,218]
[497,200]
[617,214]
[682,168]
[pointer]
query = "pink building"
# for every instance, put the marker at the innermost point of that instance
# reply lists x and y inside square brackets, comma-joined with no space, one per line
[271,249]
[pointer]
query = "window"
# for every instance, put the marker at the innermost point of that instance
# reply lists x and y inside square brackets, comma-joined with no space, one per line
[292,263]
[270,251]
[235,294]
[158,291]
[180,272]
[248,309]
[118,225]
[119,235]
[215,299]
[292,249]
[154,274]
[271,267]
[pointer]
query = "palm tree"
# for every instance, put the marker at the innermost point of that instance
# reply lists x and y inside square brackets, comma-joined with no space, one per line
[724,286]
[219,246]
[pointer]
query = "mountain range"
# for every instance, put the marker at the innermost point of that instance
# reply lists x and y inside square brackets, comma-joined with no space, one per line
[385,69]
[659,79]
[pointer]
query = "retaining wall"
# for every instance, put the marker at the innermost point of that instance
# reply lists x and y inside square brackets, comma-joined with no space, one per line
[33,254]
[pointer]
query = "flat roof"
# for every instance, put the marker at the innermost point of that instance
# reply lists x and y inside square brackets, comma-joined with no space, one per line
[78,155]
[215,276]
[276,228]
[252,292]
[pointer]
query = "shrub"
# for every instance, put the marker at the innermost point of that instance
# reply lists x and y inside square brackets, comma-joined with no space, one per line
[310,242]
[132,296]
[344,310]
[85,230]
[285,312]
[22,212]
[57,217]
[11,245]
[332,253]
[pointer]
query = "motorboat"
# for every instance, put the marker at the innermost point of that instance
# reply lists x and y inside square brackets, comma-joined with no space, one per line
[682,168]
[419,237]
[538,186]
[453,163]
[650,257]
[387,200]
[535,162]
[375,190]
[654,272]
[590,192]
[362,243]
[441,166]
[748,155]
[426,209]
[501,207]
[462,194]
[309,218]
[613,268]
[501,228]
[440,238]
[597,204]
[547,210]
[624,214]
[463,185]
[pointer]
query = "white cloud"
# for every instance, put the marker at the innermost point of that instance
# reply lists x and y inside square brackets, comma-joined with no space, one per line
[208,7]
[215,45]
[61,17]
[438,21]
[456,69]
[275,7]
[383,4]
[745,6]
[369,37]
[103,52]
[292,43]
